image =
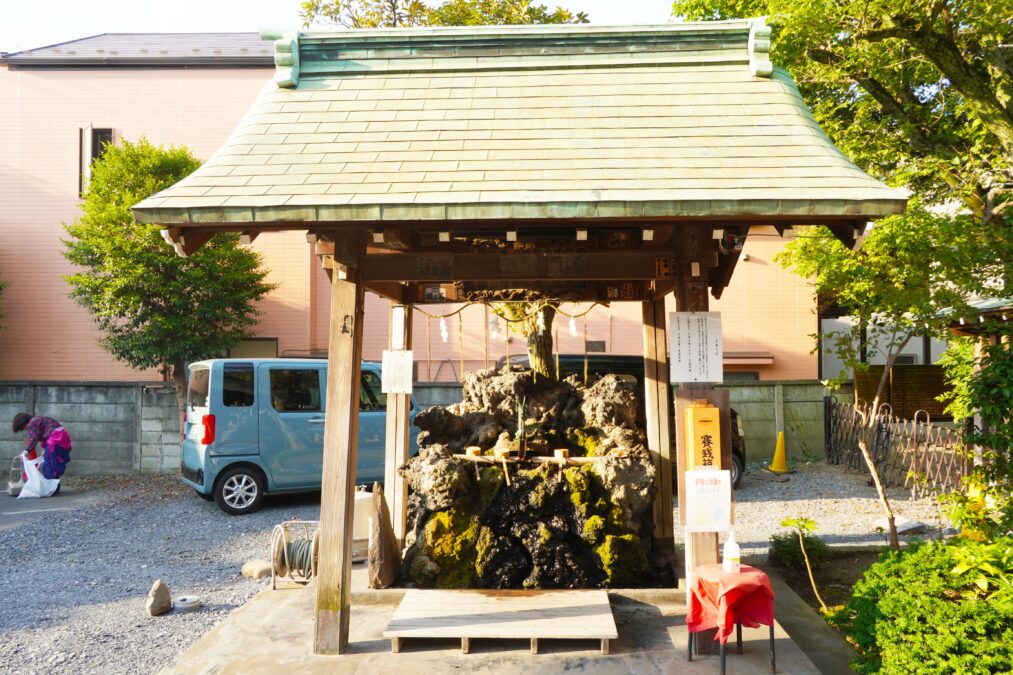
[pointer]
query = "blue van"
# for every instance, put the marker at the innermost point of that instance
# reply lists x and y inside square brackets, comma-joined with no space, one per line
[256,427]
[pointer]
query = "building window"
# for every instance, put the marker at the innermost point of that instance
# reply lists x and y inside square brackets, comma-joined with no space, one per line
[255,348]
[92,144]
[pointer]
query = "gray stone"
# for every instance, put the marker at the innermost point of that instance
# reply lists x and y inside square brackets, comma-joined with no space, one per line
[384,556]
[256,569]
[159,599]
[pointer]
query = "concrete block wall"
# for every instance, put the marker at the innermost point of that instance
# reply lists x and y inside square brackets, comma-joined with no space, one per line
[794,407]
[114,427]
[160,440]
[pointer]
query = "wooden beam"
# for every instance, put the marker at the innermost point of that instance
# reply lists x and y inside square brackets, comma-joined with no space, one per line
[447,267]
[337,496]
[659,420]
[398,430]
[391,290]
[192,241]
[845,233]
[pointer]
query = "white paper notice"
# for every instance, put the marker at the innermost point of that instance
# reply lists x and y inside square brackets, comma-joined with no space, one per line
[708,501]
[396,372]
[696,353]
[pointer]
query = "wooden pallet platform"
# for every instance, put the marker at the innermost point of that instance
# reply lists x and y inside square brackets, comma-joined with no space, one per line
[528,615]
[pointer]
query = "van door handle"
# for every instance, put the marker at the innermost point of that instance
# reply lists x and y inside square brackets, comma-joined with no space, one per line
[315,420]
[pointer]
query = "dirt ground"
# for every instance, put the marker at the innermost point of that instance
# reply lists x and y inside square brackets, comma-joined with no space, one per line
[835,577]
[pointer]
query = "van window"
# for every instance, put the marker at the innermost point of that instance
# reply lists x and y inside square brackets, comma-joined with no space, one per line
[197,389]
[295,390]
[370,395]
[237,388]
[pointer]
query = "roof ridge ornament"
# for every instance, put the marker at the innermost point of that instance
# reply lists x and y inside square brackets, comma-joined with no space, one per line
[759,48]
[286,56]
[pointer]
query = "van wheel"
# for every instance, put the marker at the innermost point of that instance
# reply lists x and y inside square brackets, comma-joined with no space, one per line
[738,469]
[239,490]
[207,498]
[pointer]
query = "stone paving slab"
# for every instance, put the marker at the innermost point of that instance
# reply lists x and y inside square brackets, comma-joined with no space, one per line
[274,633]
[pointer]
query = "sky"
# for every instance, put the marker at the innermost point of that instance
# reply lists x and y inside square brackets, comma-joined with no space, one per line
[29,24]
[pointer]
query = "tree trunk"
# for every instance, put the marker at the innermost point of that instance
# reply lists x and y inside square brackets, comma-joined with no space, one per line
[540,344]
[179,383]
[891,359]
[868,424]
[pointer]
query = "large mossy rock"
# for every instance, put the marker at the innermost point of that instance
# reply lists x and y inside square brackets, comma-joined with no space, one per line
[583,526]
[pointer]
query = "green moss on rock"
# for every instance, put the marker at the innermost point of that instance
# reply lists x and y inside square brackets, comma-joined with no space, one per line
[622,558]
[585,491]
[594,528]
[449,541]
[585,439]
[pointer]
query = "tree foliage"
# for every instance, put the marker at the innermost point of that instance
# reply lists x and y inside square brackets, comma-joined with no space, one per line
[909,272]
[914,91]
[155,308]
[406,13]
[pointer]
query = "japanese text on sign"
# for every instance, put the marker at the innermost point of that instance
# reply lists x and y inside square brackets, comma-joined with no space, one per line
[396,372]
[708,501]
[696,353]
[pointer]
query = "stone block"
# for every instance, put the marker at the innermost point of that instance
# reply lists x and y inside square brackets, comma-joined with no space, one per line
[151,463]
[89,394]
[101,431]
[15,395]
[751,394]
[151,425]
[69,413]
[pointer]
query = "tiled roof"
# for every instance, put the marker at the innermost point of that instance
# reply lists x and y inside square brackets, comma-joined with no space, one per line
[526,122]
[153,48]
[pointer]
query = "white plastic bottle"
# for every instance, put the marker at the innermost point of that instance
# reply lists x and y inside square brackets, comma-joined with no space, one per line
[731,557]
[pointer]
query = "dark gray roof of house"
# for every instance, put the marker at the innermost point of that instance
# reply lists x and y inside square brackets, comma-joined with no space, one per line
[150,50]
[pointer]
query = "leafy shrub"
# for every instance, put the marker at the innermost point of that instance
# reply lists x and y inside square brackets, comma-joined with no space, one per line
[927,609]
[785,551]
[983,508]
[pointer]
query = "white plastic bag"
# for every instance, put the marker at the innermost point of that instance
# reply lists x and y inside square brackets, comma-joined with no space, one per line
[36,485]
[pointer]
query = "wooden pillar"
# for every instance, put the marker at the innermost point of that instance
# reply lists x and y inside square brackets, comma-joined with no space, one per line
[691,296]
[341,430]
[658,409]
[398,428]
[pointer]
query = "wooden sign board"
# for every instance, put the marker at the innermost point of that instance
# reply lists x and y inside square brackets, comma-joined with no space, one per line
[696,352]
[396,372]
[683,399]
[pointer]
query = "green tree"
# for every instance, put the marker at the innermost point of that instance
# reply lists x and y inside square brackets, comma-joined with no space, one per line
[915,91]
[156,309]
[395,13]
[908,274]
[958,365]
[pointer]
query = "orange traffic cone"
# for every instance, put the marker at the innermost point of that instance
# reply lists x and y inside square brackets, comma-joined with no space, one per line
[780,462]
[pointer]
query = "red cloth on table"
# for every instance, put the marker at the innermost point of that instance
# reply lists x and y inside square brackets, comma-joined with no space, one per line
[720,600]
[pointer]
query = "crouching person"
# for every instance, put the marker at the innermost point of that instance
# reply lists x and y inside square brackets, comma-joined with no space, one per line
[53,438]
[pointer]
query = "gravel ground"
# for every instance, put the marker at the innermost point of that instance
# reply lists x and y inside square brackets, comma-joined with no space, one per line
[844,506]
[74,585]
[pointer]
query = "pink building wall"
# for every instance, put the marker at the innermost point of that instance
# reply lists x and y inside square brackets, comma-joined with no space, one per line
[47,337]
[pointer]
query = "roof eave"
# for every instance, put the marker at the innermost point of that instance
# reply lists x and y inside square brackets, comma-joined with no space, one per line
[238,217]
[139,62]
